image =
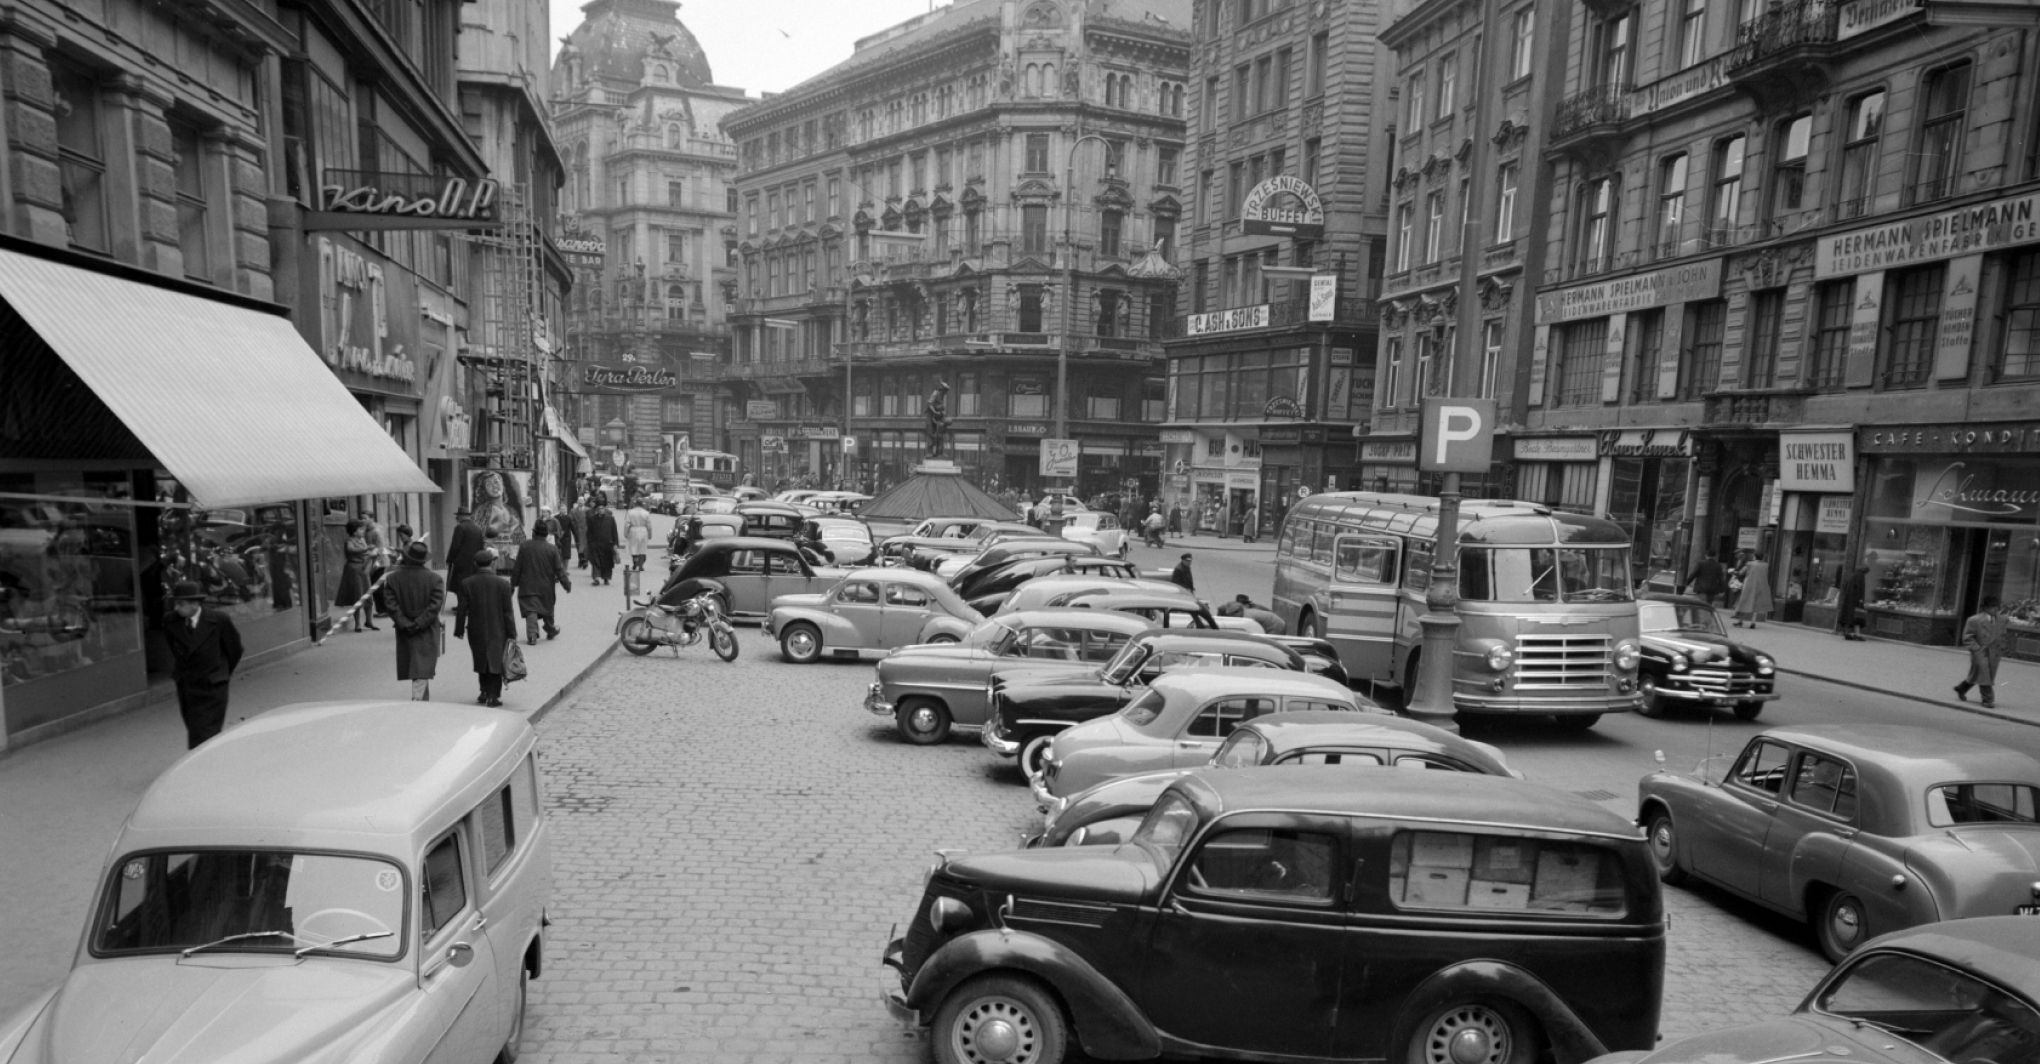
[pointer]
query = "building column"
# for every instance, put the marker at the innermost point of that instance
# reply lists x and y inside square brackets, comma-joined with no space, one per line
[137,114]
[32,184]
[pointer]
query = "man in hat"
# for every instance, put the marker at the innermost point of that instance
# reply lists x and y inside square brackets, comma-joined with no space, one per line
[468,538]
[1181,575]
[205,649]
[1270,621]
[415,595]
[539,567]
[487,618]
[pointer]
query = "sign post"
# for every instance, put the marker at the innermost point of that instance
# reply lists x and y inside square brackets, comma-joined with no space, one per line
[1455,436]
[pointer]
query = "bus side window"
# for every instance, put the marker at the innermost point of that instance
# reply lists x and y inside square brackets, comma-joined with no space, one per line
[1418,577]
[1365,561]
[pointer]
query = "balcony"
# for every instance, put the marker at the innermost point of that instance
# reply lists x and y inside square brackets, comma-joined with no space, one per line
[1786,50]
[1590,121]
[1754,409]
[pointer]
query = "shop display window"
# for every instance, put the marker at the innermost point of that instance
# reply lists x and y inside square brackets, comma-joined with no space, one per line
[69,591]
[1907,563]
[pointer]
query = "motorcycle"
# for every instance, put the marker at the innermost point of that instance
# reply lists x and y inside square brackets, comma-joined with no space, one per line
[652,625]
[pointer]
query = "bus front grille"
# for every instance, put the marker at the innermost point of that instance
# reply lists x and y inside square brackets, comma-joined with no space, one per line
[1562,661]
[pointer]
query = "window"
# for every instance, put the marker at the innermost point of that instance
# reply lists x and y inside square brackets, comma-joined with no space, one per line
[1434,234]
[676,248]
[1726,207]
[496,825]
[1788,169]
[1762,767]
[443,885]
[1264,97]
[675,193]
[905,595]
[1825,785]
[1692,32]
[1291,866]
[1490,358]
[1767,312]
[2021,356]
[835,197]
[1427,351]
[1523,39]
[1671,210]
[1415,119]
[1029,395]
[1311,150]
[1320,44]
[1217,720]
[1030,309]
[1944,105]
[1109,223]
[1611,42]
[1165,234]
[1285,61]
[1912,304]
[1582,348]
[1034,229]
[1859,155]
[1391,373]
[1505,202]
[1700,362]
[1649,328]
[1402,237]
[1456,870]
[188,146]
[1834,305]
[1236,191]
[1165,164]
[81,156]
[1037,153]
[1595,244]
[1448,83]
[1210,112]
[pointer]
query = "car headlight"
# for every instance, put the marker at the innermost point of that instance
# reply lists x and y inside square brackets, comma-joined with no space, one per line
[1680,664]
[948,916]
[1626,656]
[1500,657]
[1765,666]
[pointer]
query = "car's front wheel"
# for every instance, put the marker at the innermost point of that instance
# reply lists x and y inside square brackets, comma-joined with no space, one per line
[1664,850]
[800,643]
[939,640]
[1475,1031]
[1841,925]
[999,1019]
[1033,755]
[1576,721]
[922,721]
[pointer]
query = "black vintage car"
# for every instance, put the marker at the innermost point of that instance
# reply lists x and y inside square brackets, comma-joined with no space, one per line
[1030,706]
[1689,660]
[1309,913]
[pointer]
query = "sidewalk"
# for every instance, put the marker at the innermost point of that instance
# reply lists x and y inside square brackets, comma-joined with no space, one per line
[64,799]
[1903,670]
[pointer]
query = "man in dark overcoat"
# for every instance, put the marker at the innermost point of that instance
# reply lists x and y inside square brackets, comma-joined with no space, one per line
[205,649]
[468,538]
[415,595]
[539,569]
[578,517]
[487,618]
[601,541]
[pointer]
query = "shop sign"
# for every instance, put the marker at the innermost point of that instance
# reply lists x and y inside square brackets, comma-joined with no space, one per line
[1027,428]
[583,254]
[1301,214]
[2015,437]
[772,445]
[1646,443]
[1281,406]
[1178,436]
[1703,495]
[1243,481]
[1972,491]
[357,319]
[1862,16]
[1680,87]
[1931,237]
[760,409]
[1402,452]
[1313,434]
[1817,461]
[1059,458]
[812,432]
[1658,288]
[1834,514]
[370,199]
[1218,321]
[1557,448]
[1746,538]
[596,377]
[1324,296]
[1287,434]
[1958,318]
[1148,449]
[1774,501]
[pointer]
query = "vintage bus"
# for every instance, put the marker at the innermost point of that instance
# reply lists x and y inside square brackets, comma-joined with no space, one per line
[1548,621]
[713,467]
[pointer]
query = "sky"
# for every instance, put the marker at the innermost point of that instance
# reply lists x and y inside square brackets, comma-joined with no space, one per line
[770,45]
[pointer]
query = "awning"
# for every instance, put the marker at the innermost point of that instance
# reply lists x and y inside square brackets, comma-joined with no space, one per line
[556,426]
[781,386]
[230,399]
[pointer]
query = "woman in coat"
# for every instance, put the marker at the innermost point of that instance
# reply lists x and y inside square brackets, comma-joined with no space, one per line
[354,575]
[415,595]
[637,533]
[601,541]
[1753,602]
[487,619]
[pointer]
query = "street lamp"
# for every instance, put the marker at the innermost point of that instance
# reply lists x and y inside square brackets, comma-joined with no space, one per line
[1062,349]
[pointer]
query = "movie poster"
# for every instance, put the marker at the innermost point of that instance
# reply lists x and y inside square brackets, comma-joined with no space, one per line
[501,501]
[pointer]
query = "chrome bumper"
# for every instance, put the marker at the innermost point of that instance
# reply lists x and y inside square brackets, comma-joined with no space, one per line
[996,741]
[877,706]
[890,992]
[1715,698]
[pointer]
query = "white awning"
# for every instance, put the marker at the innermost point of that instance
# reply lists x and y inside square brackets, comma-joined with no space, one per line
[230,400]
[557,427]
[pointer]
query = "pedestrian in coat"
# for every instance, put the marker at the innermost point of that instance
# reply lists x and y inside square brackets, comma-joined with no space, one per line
[578,517]
[637,534]
[1753,602]
[1850,618]
[1708,579]
[353,590]
[561,526]
[487,619]
[205,649]
[1181,574]
[467,539]
[601,541]
[1176,520]
[539,569]
[416,594]
[1984,635]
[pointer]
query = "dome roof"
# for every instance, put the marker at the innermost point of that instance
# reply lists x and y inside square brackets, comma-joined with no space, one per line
[617,38]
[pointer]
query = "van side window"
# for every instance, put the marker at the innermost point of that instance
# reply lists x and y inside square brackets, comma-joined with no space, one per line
[444,885]
[496,823]
[1455,870]
[1295,865]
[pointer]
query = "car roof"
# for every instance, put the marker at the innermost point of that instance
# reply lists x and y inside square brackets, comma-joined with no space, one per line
[2001,948]
[1319,727]
[729,543]
[383,773]
[1079,618]
[1214,641]
[1919,754]
[1251,680]
[896,575]
[1435,798]
[766,506]
[1116,598]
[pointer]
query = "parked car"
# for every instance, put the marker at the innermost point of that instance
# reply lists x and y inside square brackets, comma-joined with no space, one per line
[928,552]
[1857,829]
[750,493]
[1689,660]
[871,609]
[1059,589]
[1107,813]
[928,690]
[991,586]
[838,502]
[1177,723]
[1071,503]
[846,539]
[776,520]
[746,573]
[1173,607]
[1029,708]
[1099,529]
[361,881]
[1309,914]
[1959,991]
[713,526]
[1001,548]
[948,531]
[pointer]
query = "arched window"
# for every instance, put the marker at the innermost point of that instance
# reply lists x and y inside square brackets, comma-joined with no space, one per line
[674,136]
[659,72]
[676,302]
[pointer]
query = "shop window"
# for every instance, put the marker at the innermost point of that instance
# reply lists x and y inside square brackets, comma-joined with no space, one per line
[1829,352]
[2021,355]
[1912,306]
[1101,407]
[1760,349]
[1029,398]
[1700,362]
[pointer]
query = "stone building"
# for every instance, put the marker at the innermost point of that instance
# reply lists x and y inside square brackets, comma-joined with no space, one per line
[647,205]
[1271,361]
[976,196]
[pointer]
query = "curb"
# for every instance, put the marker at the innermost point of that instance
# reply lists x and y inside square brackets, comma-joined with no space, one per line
[567,688]
[1960,707]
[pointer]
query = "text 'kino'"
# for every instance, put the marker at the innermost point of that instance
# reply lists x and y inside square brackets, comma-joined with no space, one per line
[455,200]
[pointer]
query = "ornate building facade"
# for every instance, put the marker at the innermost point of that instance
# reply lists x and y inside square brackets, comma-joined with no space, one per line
[975,197]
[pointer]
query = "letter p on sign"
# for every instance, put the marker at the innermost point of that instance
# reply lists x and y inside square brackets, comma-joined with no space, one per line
[1458,436]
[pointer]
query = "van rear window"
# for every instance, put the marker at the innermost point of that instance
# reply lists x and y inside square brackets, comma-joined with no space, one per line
[1462,870]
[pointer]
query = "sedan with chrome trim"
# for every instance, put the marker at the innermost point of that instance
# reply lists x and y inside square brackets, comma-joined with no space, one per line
[1689,660]
[870,610]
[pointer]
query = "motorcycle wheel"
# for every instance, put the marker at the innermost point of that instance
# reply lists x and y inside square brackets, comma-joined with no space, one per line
[723,640]
[637,637]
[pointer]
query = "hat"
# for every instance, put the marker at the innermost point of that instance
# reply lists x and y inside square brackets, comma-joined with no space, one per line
[1186,555]
[416,552]
[187,591]
[1242,598]
[485,557]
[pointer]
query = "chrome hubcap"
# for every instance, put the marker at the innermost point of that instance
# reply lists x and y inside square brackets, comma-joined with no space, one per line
[1847,924]
[1661,842]
[997,1032]
[921,719]
[801,643]
[1469,1034]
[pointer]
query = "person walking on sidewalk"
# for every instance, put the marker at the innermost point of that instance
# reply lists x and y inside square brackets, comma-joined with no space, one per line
[205,649]
[1849,620]
[1181,574]
[637,533]
[601,541]
[415,595]
[1708,580]
[1753,602]
[1984,635]
[487,618]
[577,516]
[353,589]
[539,568]
[467,539]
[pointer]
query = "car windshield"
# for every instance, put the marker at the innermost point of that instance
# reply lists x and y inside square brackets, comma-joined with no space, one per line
[1167,828]
[1143,710]
[1127,662]
[1679,617]
[1950,804]
[1544,574]
[995,636]
[1947,1012]
[253,901]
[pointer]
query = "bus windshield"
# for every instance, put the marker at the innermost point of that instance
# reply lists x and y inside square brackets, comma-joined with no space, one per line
[1544,574]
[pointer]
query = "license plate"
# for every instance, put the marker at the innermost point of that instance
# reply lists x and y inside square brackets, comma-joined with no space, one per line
[2026,910]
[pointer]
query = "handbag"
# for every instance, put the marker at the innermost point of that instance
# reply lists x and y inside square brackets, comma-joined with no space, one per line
[513,661]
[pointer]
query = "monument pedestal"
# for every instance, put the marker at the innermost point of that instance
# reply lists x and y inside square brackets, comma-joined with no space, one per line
[940,467]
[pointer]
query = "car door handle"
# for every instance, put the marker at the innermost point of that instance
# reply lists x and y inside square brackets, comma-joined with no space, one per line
[480,922]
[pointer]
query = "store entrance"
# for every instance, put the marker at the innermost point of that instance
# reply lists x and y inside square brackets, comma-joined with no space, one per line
[1241,515]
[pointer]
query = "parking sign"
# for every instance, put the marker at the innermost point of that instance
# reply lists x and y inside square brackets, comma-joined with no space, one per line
[1457,436]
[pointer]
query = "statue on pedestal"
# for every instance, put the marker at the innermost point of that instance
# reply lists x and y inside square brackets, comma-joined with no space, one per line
[937,409]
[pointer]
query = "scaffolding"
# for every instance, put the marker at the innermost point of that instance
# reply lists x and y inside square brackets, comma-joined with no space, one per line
[504,345]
